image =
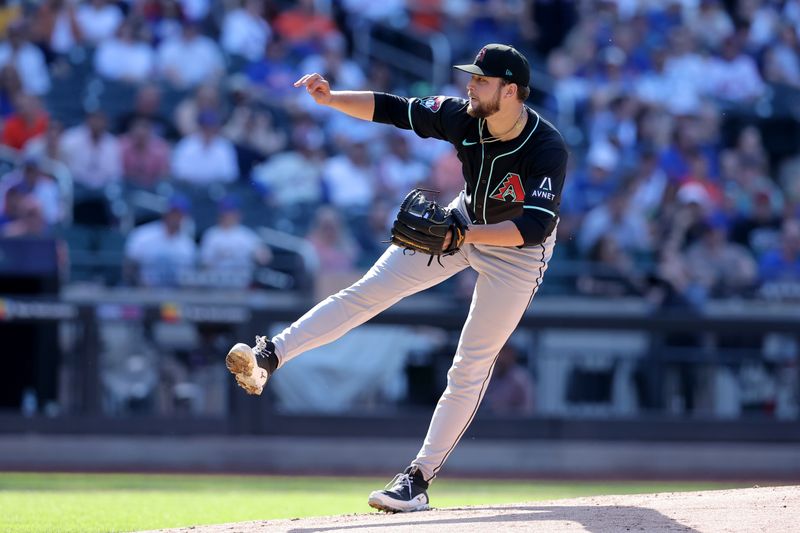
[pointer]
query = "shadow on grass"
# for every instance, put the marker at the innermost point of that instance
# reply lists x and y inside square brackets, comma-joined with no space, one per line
[595,519]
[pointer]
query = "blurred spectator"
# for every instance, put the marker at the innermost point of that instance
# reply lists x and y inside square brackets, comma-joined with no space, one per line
[446,175]
[685,221]
[26,58]
[629,227]
[294,177]
[334,65]
[491,20]
[612,272]
[649,185]
[781,61]
[92,153]
[711,24]
[759,20]
[511,389]
[10,12]
[721,268]
[147,105]
[548,23]
[760,227]
[195,10]
[10,88]
[569,92]
[163,18]
[750,146]
[29,180]
[98,20]
[398,171]
[655,128]
[686,144]
[662,87]
[157,254]
[231,250]
[593,185]
[388,11]
[734,76]
[273,75]
[686,64]
[205,157]
[300,25]
[250,127]
[782,262]
[331,238]
[126,57]
[28,120]
[611,79]
[206,99]
[48,144]
[697,174]
[372,235]
[190,59]
[380,78]
[244,31]
[616,125]
[29,221]
[349,177]
[789,179]
[145,155]
[55,28]
[748,183]
[10,203]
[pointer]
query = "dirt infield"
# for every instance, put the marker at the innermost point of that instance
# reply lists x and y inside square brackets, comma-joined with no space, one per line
[764,509]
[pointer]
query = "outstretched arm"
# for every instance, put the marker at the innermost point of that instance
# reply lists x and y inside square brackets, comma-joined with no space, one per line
[358,104]
[503,233]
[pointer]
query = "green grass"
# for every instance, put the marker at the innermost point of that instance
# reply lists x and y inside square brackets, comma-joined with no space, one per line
[88,503]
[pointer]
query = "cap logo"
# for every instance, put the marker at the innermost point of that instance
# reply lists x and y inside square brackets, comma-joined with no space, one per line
[480,55]
[509,73]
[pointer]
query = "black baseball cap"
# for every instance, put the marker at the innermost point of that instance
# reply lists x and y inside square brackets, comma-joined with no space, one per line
[500,61]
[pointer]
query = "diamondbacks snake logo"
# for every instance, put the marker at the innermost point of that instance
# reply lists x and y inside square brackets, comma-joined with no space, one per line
[510,189]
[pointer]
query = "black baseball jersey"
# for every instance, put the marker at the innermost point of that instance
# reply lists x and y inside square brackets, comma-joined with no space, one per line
[518,180]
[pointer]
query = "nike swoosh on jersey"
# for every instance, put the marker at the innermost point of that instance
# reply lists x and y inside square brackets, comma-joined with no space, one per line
[467,143]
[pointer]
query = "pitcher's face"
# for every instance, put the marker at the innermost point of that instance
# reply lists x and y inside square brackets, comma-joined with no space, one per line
[484,96]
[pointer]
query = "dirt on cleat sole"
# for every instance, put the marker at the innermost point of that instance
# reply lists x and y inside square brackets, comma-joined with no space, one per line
[238,362]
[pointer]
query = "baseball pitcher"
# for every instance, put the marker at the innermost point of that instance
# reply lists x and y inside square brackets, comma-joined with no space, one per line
[503,225]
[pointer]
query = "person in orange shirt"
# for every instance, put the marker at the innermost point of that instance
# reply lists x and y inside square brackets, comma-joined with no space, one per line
[28,121]
[300,26]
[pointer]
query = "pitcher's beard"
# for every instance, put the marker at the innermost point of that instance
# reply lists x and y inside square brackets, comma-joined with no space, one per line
[487,109]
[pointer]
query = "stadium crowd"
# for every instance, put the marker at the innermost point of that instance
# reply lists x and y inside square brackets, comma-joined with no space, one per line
[176,125]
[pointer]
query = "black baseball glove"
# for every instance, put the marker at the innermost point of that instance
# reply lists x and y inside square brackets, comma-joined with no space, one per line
[423,224]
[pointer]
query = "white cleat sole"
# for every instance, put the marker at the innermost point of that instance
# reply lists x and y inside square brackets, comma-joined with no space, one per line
[241,362]
[389,505]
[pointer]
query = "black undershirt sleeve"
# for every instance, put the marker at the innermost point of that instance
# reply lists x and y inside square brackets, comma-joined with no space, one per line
[535,227]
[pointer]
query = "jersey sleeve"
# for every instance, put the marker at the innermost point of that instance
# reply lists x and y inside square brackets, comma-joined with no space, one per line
[543,185]
[433,116]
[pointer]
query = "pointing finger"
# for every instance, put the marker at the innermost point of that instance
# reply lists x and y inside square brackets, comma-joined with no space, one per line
[308,78]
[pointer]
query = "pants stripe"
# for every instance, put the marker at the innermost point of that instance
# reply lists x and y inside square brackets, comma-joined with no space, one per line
[488,377]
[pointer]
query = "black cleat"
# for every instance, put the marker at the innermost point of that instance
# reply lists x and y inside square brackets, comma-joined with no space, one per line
[406,493]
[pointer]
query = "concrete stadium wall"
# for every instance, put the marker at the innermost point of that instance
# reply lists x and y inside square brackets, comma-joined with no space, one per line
[383,457]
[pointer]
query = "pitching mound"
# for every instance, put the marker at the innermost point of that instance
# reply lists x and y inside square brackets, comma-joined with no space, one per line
[765,509]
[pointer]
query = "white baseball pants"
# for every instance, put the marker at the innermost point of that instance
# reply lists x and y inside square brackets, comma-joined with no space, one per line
[508,278]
